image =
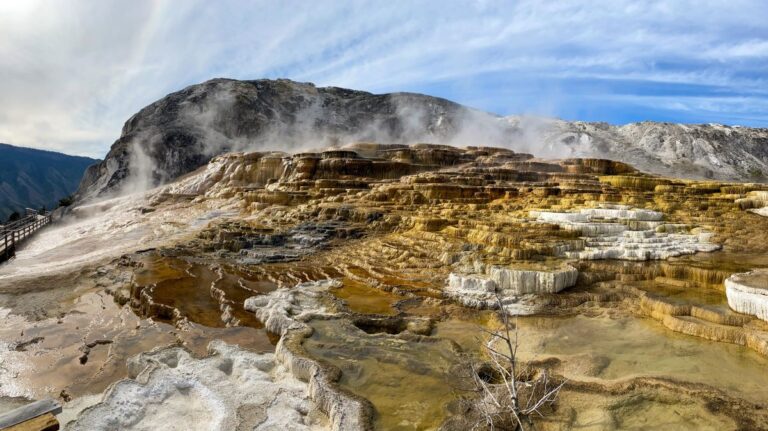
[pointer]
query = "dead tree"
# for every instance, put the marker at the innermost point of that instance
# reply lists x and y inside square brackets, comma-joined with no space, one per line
[509,397]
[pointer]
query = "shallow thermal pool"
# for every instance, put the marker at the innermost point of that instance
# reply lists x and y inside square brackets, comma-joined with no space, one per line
[409,383]
[607,348]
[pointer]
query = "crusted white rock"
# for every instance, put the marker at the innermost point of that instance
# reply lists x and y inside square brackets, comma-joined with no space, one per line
[622,212]
[199,182]
[643,245]
[748,293]
[516,287]
[515,281]
[173,390]
[283,309]
[471,290]
[607,234]
[757,200]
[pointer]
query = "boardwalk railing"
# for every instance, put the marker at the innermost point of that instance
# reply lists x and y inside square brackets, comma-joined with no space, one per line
[13,234]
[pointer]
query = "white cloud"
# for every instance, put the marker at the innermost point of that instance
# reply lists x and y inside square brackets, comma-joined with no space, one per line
[72,72]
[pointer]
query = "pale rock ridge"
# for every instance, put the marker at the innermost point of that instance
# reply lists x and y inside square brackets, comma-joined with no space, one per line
[607,235]
[702,151]
[169,386]
[748,293]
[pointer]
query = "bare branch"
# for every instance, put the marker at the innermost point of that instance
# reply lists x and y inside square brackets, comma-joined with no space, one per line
[500,401]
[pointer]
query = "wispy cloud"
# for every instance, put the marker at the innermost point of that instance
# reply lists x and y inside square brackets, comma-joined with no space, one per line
[72,72]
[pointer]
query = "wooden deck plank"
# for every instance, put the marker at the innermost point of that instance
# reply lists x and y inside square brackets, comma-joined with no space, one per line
[29,411]
[46,422]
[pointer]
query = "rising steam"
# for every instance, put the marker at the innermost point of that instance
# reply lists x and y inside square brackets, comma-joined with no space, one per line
[219,122]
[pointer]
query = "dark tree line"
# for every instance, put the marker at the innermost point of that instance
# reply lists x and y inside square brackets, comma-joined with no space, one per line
[63,202]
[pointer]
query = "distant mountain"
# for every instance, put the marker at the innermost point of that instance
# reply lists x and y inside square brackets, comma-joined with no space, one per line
[32,178]
[697,151]
[182,131]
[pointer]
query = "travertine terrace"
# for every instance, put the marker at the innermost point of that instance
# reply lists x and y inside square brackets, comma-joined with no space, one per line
[361,267]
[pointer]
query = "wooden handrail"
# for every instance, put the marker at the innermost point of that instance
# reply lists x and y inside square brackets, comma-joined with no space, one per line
[14,233]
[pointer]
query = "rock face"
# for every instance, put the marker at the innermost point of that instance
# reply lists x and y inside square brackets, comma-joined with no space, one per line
[184,130]
[748,293]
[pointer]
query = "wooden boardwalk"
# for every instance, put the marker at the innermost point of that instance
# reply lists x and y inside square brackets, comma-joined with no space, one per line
[36,416]
[13,234]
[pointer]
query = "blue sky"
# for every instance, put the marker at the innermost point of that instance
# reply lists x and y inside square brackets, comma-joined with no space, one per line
[72,72]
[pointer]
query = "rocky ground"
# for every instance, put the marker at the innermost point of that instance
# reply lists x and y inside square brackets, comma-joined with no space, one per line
[357,283]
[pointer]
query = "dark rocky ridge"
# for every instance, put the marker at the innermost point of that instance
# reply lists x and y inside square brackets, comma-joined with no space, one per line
[184,130]
[31,178]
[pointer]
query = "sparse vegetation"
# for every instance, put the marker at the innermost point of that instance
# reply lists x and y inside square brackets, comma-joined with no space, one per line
[66,201]
[756,174]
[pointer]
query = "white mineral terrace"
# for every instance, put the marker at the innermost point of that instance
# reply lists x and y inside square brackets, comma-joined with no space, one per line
[748,293]
[282,309]
[758,200]
[515,286]
[607,234]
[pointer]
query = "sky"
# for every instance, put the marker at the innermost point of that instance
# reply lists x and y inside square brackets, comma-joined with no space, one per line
[72,72]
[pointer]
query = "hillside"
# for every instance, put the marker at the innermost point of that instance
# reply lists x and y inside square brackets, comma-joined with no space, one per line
[31,178]
[184,130]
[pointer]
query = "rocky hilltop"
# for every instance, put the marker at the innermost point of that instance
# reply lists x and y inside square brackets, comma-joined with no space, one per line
[184,130]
